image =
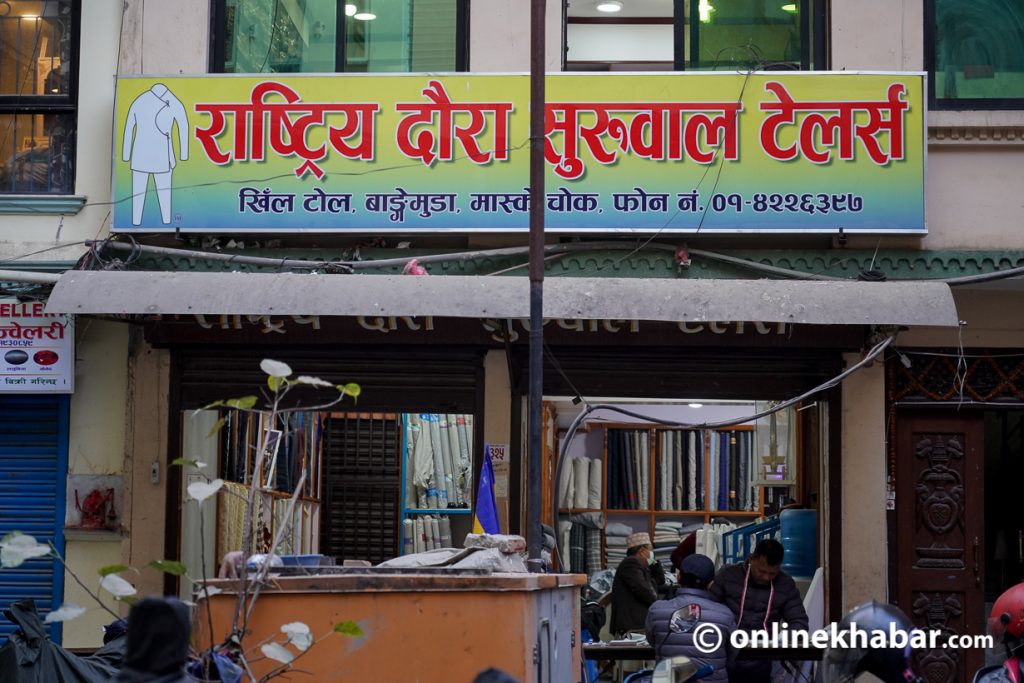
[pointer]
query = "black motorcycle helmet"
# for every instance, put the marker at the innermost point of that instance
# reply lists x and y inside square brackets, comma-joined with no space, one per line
[891,665]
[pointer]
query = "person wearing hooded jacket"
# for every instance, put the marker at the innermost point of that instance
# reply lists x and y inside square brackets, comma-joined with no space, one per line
[158,637]
[672,625]
[759,593]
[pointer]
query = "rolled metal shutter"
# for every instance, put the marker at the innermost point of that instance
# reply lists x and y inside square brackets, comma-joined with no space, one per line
[33,470]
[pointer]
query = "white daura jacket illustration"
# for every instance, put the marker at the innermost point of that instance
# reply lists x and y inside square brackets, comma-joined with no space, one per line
[148,146]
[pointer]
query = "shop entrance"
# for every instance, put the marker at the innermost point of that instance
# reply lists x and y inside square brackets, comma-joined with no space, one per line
[959,545]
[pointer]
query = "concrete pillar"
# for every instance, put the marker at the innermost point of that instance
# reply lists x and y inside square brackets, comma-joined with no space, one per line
[865,555]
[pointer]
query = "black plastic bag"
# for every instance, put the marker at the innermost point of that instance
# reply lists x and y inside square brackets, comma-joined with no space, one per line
[29,656]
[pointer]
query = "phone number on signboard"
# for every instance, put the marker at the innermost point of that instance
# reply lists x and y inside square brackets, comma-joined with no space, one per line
[810,204]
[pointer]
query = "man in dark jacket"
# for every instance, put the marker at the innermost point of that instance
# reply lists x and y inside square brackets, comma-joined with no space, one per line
[759,594]
[636,584]
[673,625]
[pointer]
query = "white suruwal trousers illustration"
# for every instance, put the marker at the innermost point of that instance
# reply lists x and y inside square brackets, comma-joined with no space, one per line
[148,147]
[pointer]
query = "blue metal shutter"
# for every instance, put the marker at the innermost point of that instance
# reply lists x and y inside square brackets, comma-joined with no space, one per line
[33,470]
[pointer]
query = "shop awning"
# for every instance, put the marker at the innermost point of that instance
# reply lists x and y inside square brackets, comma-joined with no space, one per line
[790,301]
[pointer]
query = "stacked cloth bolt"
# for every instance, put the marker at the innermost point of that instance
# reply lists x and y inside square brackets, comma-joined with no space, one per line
[585,542]
[667,536]
[426,532]
[615,534]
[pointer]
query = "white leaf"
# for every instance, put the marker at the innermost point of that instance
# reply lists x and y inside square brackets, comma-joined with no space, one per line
[314,381]
[277,652]
[275,368]
[16,547]
[67,612]
[116,586]
[207,592]
[298,634]
[201,490]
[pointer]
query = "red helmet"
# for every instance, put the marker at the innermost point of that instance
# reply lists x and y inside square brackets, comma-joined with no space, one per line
[1007,620]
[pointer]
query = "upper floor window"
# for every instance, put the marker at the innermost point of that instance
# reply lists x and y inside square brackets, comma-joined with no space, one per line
[38,47]
[322,36]
[677,35]
[974,53]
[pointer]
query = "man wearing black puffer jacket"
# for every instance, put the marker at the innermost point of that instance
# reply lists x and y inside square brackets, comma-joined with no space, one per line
[759,594]
[672,625]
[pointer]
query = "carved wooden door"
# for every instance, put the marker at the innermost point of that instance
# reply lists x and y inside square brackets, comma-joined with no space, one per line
[939,510]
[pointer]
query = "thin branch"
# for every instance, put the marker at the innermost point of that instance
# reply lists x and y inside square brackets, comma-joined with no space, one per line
[88,590]
[209,607]
[278,537]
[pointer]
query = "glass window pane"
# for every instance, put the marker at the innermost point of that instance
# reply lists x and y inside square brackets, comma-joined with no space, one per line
[395,36]
[762,34]
[36,153]
[35,44]
[638,36]
[275,36]
[978,49]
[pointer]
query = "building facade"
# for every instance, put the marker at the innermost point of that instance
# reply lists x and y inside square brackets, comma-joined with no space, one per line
[904,454]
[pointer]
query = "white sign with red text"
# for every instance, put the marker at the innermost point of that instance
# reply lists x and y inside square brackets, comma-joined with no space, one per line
[37,350]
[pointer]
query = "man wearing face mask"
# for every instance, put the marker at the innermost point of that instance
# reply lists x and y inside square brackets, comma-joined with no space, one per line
[759,594]
[636,584]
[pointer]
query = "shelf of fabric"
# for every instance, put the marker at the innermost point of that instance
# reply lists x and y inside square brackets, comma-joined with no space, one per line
[446,511]
[628,467]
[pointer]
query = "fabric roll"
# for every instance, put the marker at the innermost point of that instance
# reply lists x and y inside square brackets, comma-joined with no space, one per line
[617,529]
[678,484]
[628,476]
[594,493]
[734,470]
[419,540]
[723,471]
[755,498]
[440,482]
[408,542]
[612,446]
[637,476]
[593,551]
[435,532]
[566,485]
[744,485]
[564,557]
[711,472]
[465,439]
[577,552]
[411,499]
[447,460]
[581,475]
[691,472]
[458,467]
[424,463]
[446,532]
[644,462]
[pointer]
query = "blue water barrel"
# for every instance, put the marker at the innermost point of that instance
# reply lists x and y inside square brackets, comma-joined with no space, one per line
[799,536]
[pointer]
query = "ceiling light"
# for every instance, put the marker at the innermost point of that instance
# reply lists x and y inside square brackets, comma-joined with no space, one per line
[609,6]
[364,16]
[789,8]
[350,10]
[29,16]
[695,405]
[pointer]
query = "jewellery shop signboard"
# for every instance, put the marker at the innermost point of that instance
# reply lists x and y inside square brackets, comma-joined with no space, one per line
[37,350]
[641,153]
